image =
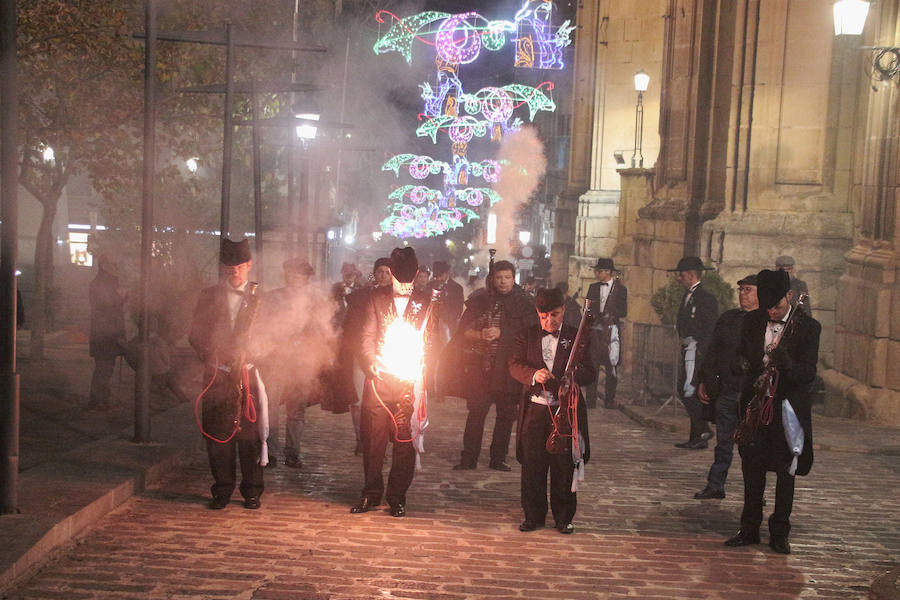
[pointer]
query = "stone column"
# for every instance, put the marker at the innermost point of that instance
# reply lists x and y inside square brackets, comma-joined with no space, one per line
[865,381]
[587,46]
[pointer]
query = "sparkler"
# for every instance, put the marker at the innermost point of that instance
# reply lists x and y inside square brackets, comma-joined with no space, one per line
[402,353]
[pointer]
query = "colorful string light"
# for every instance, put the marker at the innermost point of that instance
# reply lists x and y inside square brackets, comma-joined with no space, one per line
[422,211]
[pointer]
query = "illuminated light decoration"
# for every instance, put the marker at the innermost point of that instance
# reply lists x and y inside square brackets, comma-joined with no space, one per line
[458,40]
[400,36]
[421,211]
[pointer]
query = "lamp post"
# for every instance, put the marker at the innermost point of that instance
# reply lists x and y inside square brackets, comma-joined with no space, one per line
[850,19]
[641,81]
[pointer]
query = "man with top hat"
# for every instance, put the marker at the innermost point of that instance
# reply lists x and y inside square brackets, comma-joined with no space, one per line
[285,322]
[234,417]
[609,304]
[720,385]
[798,286]
[538,361]
[391,404]
[779,350]
[696,319]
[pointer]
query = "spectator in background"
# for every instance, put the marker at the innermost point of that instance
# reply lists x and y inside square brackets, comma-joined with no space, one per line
[449,309]
[107,334]
[721,386]
[349,282]
[420,283]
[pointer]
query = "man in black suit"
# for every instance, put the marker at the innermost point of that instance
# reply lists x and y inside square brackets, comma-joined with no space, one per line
[234,405]
[538,361]
[696,319]
[798,286]
[609,304]
[107,337]
[391,398]
[780,348]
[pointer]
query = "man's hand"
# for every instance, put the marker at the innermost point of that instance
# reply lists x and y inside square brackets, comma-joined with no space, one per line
[543,376]
[372,372]
[490,334]
[701,393]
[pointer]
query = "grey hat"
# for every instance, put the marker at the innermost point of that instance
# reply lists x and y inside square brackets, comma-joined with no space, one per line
[784,261]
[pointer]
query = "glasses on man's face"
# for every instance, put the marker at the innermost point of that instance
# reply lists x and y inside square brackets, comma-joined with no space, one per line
[745,289]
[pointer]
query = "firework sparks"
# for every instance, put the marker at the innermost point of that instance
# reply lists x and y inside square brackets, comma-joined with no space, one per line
[402,352]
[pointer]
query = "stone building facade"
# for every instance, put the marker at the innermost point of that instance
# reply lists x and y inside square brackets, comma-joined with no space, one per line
[764,134]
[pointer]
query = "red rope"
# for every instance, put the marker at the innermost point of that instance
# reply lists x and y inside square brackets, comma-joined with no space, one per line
[249,410]
[391,414]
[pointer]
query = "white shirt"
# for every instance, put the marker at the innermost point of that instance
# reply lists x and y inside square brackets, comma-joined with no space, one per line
[772,329]
[687,297]
[605,288]
[234,296]
[549,344]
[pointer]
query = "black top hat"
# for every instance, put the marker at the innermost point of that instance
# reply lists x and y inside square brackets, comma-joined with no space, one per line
[298,265]
[546,299]
[771,287]
[605,263]
[404,264]
[234,253]
[689,263]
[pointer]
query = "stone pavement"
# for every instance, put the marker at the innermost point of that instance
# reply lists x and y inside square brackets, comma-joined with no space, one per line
[639,532]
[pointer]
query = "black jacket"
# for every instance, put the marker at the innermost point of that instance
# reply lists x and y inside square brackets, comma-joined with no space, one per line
[527,358]
[719,362]
[697,318]
[795,374]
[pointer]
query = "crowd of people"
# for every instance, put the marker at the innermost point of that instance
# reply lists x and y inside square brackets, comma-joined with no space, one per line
[529,354]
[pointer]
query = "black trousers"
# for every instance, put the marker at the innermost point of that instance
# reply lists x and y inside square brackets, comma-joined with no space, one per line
[507,408]
[376,429]
[244,448]
[754,466]
[692,404]
[599,353]
[537,462]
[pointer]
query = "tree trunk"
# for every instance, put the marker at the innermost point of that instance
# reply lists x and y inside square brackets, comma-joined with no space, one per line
[43,276]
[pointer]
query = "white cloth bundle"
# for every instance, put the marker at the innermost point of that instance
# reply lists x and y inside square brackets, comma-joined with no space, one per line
[793,433]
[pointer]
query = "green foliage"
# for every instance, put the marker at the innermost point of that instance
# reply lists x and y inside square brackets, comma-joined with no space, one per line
[667,300]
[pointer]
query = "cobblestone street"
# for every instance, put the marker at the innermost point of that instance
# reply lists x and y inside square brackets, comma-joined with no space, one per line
[639,532]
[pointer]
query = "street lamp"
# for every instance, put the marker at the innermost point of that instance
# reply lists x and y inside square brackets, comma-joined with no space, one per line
[307,130]
[641,82]
[524,237]
[850,19]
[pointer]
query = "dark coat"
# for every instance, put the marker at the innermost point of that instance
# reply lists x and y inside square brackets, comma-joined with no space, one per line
[461,370]
[107,336]
[526,359]
[717,369]
[615,310]
[379,313]
[697,318]
[452,303]
[769,446]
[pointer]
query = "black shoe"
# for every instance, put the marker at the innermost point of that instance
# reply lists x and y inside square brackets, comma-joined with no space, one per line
[365,505]
[698,444]
[779,544]
[273,462]
[706,435]
[252,502]
[529,525]
[500,466]
[464,467]
[686,444]
[709,493]
[398,510]
[219,502]
[566,528]
[743,538]
[293,462]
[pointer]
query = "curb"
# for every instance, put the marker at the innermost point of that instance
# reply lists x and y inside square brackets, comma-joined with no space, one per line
[63,499]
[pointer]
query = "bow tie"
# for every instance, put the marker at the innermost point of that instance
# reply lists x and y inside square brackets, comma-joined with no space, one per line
[605,283]
[553,333]
[776,322]
[401,295]
[235,291]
